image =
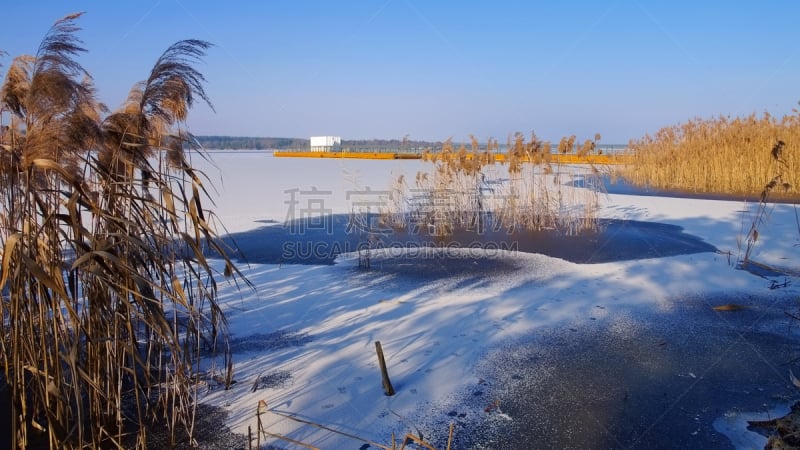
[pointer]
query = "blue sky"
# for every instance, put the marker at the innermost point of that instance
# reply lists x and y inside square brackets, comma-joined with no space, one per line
[433,70]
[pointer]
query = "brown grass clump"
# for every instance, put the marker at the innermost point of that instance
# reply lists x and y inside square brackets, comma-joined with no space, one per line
[107,299]
[719,155]
[466,189]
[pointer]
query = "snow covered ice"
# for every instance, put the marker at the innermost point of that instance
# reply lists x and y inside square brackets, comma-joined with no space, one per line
[307,331]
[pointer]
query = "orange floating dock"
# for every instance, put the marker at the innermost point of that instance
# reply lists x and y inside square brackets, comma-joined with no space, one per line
[499,157]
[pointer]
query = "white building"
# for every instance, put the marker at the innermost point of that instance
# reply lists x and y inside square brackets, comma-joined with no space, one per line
[326,143]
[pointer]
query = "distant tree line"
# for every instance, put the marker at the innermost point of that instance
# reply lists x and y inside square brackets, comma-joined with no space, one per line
[250,143]
[277,143]
[390,143]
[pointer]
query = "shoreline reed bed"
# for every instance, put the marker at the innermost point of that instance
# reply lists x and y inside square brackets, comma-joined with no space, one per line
[720,155]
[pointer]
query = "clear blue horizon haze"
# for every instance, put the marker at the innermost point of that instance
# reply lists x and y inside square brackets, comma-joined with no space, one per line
[433,70]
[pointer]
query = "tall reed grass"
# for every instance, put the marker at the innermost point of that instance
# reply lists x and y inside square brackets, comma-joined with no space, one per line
[718,155]
[107,299]
[470,188]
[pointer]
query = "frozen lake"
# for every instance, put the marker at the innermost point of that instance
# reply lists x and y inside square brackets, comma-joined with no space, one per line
[601,342]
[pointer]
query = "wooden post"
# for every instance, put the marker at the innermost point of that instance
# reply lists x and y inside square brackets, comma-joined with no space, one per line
[450,437]
[387,384]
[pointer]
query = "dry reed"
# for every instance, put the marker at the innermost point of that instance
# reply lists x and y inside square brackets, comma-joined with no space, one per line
[719,155]
[107,298]
[466,189]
